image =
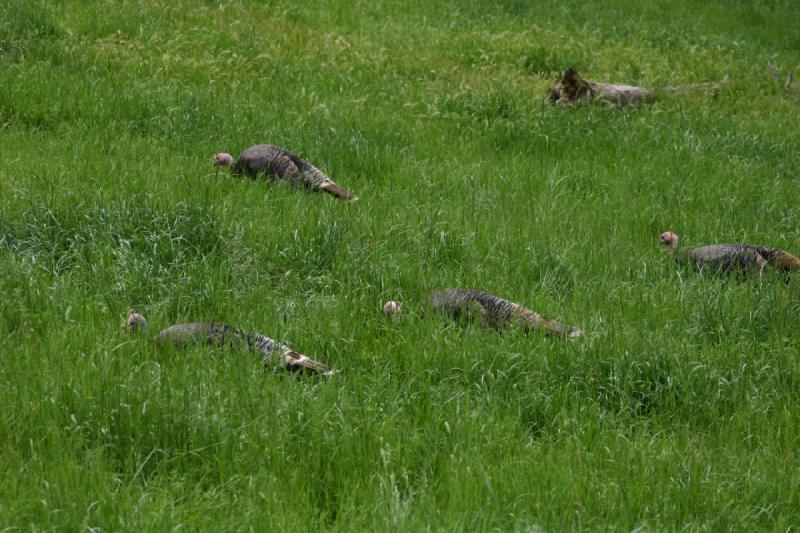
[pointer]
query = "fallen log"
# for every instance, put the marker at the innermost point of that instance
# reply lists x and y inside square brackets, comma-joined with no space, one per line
[573,89]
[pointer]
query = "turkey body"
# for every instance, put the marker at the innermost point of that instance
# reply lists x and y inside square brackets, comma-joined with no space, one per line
[738,258]
[221,335]
[731,258]
[276,162]
[474,305]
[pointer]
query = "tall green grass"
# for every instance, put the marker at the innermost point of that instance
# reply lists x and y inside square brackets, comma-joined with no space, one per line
[678,410]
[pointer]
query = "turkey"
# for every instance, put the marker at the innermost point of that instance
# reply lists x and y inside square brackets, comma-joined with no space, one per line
[472,305]
[729,258]
[219,335]
[274,161]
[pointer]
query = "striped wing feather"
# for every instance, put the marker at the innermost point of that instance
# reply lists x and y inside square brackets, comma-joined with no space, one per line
[276,162]
[470,305]
[219,335]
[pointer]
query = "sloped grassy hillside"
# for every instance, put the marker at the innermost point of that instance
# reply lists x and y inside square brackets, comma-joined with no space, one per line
[679,409]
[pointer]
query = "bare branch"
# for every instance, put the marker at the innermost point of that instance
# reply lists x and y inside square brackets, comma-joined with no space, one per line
[774,73]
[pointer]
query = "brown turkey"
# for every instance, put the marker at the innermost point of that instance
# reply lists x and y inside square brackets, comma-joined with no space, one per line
[472,305]
[220,335]
[276,162]
[731,258]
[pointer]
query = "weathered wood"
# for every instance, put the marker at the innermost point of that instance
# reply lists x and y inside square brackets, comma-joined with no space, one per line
[573,89]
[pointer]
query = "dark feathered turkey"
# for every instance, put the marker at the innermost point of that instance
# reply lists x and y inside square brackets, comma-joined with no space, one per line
[276,162]
[730,258]
[472,305]
[219,335]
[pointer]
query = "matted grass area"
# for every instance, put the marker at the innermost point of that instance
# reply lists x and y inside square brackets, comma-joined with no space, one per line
[680,409]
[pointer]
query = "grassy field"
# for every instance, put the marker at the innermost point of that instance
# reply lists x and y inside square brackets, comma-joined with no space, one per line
[680,409]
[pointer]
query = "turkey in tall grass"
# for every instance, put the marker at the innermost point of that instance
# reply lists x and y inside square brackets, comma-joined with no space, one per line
[274,162]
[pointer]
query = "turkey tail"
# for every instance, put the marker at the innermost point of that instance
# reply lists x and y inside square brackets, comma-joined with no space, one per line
[557,328]
[340,192]
[298,362]
[776,258]
[316,179]
[289,358]
[784,261]
[533,320]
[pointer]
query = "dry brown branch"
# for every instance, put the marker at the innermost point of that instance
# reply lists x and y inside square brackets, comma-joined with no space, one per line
[774,73]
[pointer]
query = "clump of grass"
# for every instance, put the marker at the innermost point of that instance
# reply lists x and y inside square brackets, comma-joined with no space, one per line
[26,28]
[550,62]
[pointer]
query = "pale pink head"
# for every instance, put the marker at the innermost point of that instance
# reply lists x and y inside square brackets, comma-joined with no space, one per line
[223,159]
[137,324]
[669,240]
[391,309]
